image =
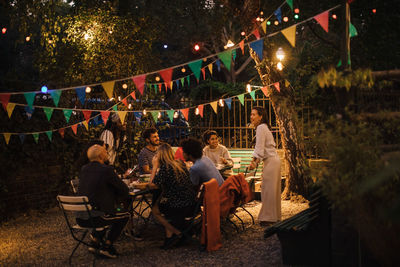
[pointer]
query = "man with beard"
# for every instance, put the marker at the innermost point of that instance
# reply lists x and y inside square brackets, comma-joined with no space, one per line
[146,155]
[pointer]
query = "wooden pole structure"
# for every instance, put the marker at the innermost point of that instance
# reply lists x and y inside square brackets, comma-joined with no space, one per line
[345,45]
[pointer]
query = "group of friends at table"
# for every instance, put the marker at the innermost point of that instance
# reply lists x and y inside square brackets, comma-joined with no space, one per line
[175,175]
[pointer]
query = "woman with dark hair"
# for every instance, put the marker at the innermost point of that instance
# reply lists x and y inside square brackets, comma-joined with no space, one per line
[271,176]
[113,136]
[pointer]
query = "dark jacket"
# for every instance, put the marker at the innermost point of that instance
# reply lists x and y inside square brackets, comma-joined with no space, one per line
[102,186]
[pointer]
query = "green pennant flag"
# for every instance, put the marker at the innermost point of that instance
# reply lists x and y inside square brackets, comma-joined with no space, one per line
[49,135]
[241,98]
[48,112]
[226,58]
[348,59]
[188,79]
[154,114]
[30,97]
[67,114]
[234,54]
[115,107]
[352,30]
[290,3]
[195,67]
[55,94]
[36,137]
[155,88]
[170,114]
[253,95]
[183,81]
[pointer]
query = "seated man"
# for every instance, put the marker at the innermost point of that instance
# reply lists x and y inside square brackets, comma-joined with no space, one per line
[146,155]
[101,185]
[203,168]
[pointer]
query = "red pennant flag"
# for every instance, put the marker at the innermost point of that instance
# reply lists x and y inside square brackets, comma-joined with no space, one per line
[323,20]
[139,82]
[61,132]
[265,91]
[185,113]
[277,86]
[201,108]
[166,75]
[256,33]
[241,44]
[86,114]
[104,116]
[74,128]
[133,95]
[159,87]
[203,70]
[125,102]
[4,100]
[166,87]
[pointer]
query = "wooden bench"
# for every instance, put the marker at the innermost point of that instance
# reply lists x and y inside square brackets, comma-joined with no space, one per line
[305,237]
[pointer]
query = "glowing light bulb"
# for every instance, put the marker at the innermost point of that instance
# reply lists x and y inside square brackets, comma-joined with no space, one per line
[28,38]
[124,86]
[119,98]
[88,89]
[285,19]
[157,78]
[130,106]
[248,88]
[279,66]
[243,33]
[276,22]
[296,10]
[197,111]
[261,19]
[268,22]
[261,13]
[176,115]
[159,115]
[111,99]
[280,54]
[258,18]
[165,46]
[86,36]
[44,89]
[4,30]
[334,16]
[183,70]
[196,47]
[221,102]
[144,112]
[50,41]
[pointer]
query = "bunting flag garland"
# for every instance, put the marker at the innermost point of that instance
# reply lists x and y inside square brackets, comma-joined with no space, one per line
[86,114]
[226,58]
[115,107]
[278,14]
[166,75]
[10,109]
[48,112]
[183,81]
[188,80]
[263,26]
[81,93]
[104,116]
[201,109]
[265,91]
[258,47]
[29,112]
[122,116]
[139,82]
[36,137]
[49,135]
[241,45]
[203,71]
[55,94]
[5,98]
[154,114]
[171,84]
[290,3]
[159,87]
[228,102]
[241,98]
[253,95]
[352,30]
[290,34]
[256,33]
[30,97]
[214,105]
[61,132]
[185,113]
[177,84]
[287,83]
[277,86]
[67,114]
[170,114]
[109,88]
[195,67]
[22,138]
[138,115]
[210,69]
[125,101]
[323,20]
[85,123]
[74,128]
[7,137]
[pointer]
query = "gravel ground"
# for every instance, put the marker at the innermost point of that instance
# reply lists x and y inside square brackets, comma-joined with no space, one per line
[43,239]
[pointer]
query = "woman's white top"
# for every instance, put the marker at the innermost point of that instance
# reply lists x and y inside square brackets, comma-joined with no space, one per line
[108,138]
[265,144]
[216,154]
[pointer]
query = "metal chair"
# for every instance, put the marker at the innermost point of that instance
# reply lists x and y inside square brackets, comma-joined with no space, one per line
[74,185]
[69,206]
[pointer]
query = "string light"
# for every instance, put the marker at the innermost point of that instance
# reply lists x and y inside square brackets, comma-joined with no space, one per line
[243,33]
[280,54]
[159,115]
[279,66]
[296,10]
[197,111]
[130,106]
[4,30]
[374,10]
[221,102]
[144,112]
[88,89]
[119,98]
[229,44]
[334,16]
[157,79]
[28,38]
[44,89]
[165,46]
[262,19]
[176,115]
[183,70]
[285,19]
[261,13]
[248,88]
[276,22]
[124,86]
[111,99]
[268,22]
[196,47]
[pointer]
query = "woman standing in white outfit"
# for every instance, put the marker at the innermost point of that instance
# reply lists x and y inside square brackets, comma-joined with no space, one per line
[271,176]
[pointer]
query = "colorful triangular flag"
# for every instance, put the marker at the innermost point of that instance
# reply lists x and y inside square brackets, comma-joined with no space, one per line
[210,68]
[30,97]
[253,95]
[264,26]
[214,105]
[109,88]
[67,114]
[154,114]
[277,86]
[55,94]
[323,20]
[10,109]
[49,135]
[166,75]
[86,114]
[48,112]
[85,123]
[290,34]
[352,30]
[201,109]
[81,93]
[228,102]
[125,102]
[139,82]
[122,116]
[203,71]
[218,63]
[133,95]
[265,91]
[290,3]
[185,113]
[105,115]
[258,47]
[241,45]
[61,132]
[241,98]
[256,33]
[195,67]
[36,137]
[226,58]
[74,128]
[5,98]
[278,14]
[7,137]
[170,114]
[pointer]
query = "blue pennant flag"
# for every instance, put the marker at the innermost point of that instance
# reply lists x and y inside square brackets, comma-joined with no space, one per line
[22,138]
[278,14]
[218,62]
[138,115]
[29,111]
[228,102]
[258,46]
[177,84]
[81,93]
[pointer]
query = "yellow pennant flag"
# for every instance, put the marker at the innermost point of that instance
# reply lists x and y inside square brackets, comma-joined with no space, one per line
[122,116]
[290,34]
[214,105]
[264,26]
[86,125]
[210,67]
[7,137]
[287,83]
[171,85]
[109,88]
[10,108]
